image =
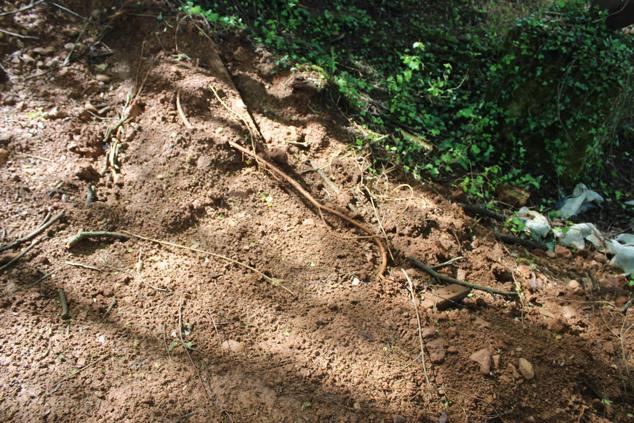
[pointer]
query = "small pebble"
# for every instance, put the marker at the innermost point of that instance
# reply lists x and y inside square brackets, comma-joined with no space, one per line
[573,285]
[483,358]
[102,77]
[526,369]
[232,345]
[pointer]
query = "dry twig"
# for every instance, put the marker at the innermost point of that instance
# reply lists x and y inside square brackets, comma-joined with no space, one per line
[181,113]
[186,348]
[420,329]
[45,225]
[13,34]
[83,266]
[22,9]
[19,256]
[77,371]
[272,281]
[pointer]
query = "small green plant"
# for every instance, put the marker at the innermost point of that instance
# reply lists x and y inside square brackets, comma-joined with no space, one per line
[266,198]
[211,16]
[36,115]
[515,225]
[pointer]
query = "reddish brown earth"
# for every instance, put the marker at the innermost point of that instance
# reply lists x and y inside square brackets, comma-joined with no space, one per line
[339,346]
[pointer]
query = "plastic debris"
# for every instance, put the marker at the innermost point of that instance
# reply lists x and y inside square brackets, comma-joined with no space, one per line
[535,224]
[577,235]
[580,201]
[623,249]
[629,203]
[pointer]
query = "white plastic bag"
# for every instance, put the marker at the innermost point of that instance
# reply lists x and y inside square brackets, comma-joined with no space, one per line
[581,196]
[623,249]
[578,234]
[535,224]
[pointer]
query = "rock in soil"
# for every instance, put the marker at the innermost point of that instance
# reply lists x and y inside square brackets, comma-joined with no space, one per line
[437,350]
[445,297]
[428,333]
[526,369]
[4,156]
[233,346]
[483,358]
[574,286]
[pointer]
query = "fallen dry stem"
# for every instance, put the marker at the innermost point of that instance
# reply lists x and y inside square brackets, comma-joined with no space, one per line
[273,281]
[181,113]
[22,9]
[16,35]
[78,371]
[378,219]
[44,226]
[420,329]
[246,123]
[19,256]
[83,266]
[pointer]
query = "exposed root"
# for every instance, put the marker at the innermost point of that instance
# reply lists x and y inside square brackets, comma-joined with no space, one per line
[320,207]
[422,266]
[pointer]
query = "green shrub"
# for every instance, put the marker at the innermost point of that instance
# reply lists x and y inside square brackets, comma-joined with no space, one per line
[537,102]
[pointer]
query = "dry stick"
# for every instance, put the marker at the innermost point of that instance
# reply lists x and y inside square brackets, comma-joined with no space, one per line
[24,9]
[422,266]
[31,156]
[447,263]
[83,266]
[180,336]
[77,371]
[420,330]
[181,113]
[275,170]
[273,281]
[19,256]
[66,9]
[33,234]
[96,234]
[240,118]
[24,37]
[378,220]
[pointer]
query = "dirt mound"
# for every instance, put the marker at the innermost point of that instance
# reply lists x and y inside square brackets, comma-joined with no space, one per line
[165,333]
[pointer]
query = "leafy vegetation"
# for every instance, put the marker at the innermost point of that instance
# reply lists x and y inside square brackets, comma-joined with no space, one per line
[482,93]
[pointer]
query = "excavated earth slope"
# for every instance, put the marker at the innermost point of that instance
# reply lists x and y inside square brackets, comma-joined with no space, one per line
[158,332]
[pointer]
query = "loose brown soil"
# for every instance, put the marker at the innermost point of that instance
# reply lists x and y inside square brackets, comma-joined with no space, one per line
[159,333]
